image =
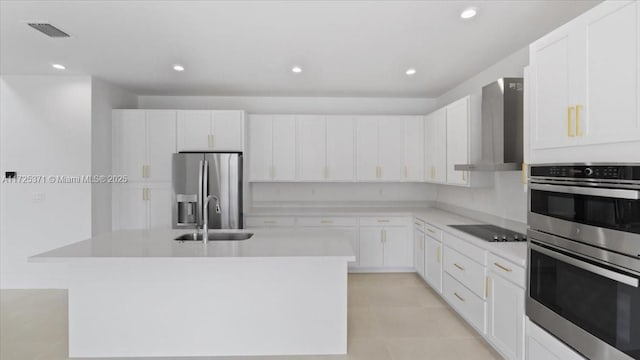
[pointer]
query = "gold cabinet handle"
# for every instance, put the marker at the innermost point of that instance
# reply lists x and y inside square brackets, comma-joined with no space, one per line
[458,266]
[570,132]
[326,222]
[464,176]
[431,230]
[438,254]
[578,132]
[498,265]
[148,194]
[524,173]
[459,297]
[145,194]
[383,236]
[487,285]
[383,220]
[405,171]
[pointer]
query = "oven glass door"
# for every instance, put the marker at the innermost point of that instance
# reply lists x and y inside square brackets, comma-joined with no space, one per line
[601,300]
[610,208]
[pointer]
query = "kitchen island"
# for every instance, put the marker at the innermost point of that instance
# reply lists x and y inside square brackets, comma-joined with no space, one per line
[138,293]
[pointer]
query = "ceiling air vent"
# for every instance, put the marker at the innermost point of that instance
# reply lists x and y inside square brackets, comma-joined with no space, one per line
[49,30]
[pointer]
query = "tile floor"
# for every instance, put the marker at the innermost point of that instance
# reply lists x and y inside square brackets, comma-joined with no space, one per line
[391,317]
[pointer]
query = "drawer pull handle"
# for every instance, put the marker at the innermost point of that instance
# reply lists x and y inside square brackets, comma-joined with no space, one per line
[326,222]
[502,267]
[431,230]
[458,266]
[459,297]
[383,221]
[416,224]
[270,222]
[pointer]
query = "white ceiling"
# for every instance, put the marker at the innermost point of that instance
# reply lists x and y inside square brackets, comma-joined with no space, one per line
[346,48]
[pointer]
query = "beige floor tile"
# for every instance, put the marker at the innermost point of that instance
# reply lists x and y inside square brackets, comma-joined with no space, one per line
[358,297]
[406,322]
[362,324]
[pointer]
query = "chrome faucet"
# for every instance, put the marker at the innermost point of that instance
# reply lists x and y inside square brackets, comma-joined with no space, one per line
[205,217]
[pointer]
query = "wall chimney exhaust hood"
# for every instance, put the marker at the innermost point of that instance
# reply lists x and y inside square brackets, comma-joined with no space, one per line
[502,127]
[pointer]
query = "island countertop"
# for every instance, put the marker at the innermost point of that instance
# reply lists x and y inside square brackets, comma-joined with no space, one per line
[160,244]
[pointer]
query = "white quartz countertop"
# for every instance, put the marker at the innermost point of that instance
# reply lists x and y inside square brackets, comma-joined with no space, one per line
[513,251]
[337,211]
[160,244]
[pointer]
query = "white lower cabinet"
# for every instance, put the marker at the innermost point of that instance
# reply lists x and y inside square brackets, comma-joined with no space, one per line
[141,206]
[388,246]
[469,305]
[543,346]
[505,321]
[419,249]
[433,263]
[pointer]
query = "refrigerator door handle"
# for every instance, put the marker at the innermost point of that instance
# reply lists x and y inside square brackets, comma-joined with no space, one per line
[200,190]
[205,191]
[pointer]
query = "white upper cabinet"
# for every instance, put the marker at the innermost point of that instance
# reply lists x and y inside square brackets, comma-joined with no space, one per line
[340,148]
[194,130]
[272,147]
[585,77]
[161,143]
[143,143]
[391,148]
[435,144]
[312,147]
[367,143]
[129,143]
[210,130]
[284,147]
[458,140]
[413,148]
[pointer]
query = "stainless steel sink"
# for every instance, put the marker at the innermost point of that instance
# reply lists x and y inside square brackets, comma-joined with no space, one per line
[215,236]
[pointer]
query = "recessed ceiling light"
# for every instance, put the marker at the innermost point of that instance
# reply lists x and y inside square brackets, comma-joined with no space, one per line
[296,69]
[178,67]
[58,66]
[410,71]
[468,13]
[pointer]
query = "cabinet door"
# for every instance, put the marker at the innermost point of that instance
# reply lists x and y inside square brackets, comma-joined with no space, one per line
[226,130]
[260,147]
[436,146]
[433,263]
[311,136]
[161,139]
[391,148]
[340,148]
[610,113]
[457,140]
[371,248]
[551,123]
[413,148]
[194,130]
[505,324]
[418,251]
[159,206]
[398,247]
[130,143]
[284,148]
[130,207]
[367,168]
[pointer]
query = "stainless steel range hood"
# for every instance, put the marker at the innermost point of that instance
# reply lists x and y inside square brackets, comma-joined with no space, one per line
[502,127]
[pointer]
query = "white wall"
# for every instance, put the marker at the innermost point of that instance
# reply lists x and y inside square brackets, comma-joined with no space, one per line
[45,129]
[507,198]
[293,105]
[104,98]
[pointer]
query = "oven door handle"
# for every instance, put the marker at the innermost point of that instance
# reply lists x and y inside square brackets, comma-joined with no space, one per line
[604,192]
[616,276]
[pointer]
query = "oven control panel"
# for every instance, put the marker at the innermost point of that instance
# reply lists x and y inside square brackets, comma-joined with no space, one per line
[599,171]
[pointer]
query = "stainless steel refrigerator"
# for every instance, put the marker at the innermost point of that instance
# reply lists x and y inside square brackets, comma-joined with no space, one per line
[198,175]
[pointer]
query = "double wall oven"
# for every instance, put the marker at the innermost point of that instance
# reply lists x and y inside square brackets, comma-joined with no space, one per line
[584,256]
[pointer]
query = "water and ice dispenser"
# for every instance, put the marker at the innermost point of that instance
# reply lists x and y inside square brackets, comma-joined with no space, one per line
[187,209]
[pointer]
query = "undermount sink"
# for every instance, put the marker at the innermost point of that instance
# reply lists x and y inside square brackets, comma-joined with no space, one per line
[215,236]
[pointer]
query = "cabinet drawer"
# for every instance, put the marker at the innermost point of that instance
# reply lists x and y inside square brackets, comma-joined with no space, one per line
[507,269]
[270,221]
[433,231]
[465,302]
[471,251]
[468,272]
[327,221]
[384,221]
[418,224]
